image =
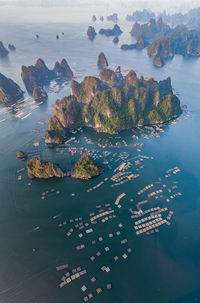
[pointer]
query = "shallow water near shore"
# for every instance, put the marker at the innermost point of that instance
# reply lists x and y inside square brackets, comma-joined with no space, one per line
[163,267]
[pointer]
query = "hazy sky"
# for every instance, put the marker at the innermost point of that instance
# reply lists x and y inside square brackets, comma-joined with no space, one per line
[168,4]
[81,10]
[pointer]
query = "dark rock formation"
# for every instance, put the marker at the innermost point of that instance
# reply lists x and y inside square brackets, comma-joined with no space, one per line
[87,89]
[108,77]
[94,18]
[37,36]
[43,170]
[91,33]
[9,90]
[21,155]
[151,30]
[113,103]
[40,75]
[178,41]
[101,18]
[113,17]
[11,47]
[116,31]
[129,46]
[116,40]
[69,112]
[86,169]
[118,73]
[141,43]
[3,50]
[102,61]
[57,37]
[62,69]
[158,62]
[39,93]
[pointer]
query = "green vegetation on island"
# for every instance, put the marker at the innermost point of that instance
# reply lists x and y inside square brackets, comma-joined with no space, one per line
[43,170]
[86,169]
[112,103]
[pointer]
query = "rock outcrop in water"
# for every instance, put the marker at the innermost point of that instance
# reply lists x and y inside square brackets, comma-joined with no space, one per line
[9,90]
[63,70]
[11,47]
[3,50]
[179,41]
[113,17]
[91,33]
[112,103]
[86,169]
[116,31]
[39,93]
[140,44]
[146,33]
[43,170]
[116,40]
[39,75]
[151,30]
[102,61]
[21,155]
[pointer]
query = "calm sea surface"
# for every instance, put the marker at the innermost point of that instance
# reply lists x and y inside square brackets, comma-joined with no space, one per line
[161,267]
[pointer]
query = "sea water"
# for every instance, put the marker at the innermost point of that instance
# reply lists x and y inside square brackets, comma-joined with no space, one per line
[163,267]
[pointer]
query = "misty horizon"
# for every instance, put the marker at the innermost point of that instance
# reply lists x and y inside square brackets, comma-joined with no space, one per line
[69,11]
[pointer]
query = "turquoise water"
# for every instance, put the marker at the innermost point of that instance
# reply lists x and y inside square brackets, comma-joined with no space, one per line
[162,267]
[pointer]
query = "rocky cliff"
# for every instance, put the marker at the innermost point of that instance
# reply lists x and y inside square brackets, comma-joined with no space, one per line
[116,31]
[3,50]
[179,41]
[151,30]
[43,170]
[62,70]
[112,103]
[39,93]
[39,74]
[9,90]
[91,33]
[86,169]
[102,61]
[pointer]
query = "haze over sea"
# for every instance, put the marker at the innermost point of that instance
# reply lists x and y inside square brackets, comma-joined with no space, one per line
[163,267]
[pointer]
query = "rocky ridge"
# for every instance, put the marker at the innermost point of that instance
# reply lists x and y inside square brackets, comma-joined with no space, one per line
[9,90]
[111,103]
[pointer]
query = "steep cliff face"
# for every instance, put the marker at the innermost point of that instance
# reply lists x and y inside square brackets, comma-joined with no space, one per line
[3,50]
[9,90]
[43,170]
[87,89]
[108,77]
[39,74]
[151,30]
[39,93]
[68,112]
[91,33]
[102,61]
[113,103]
[178,41]
[62,69]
